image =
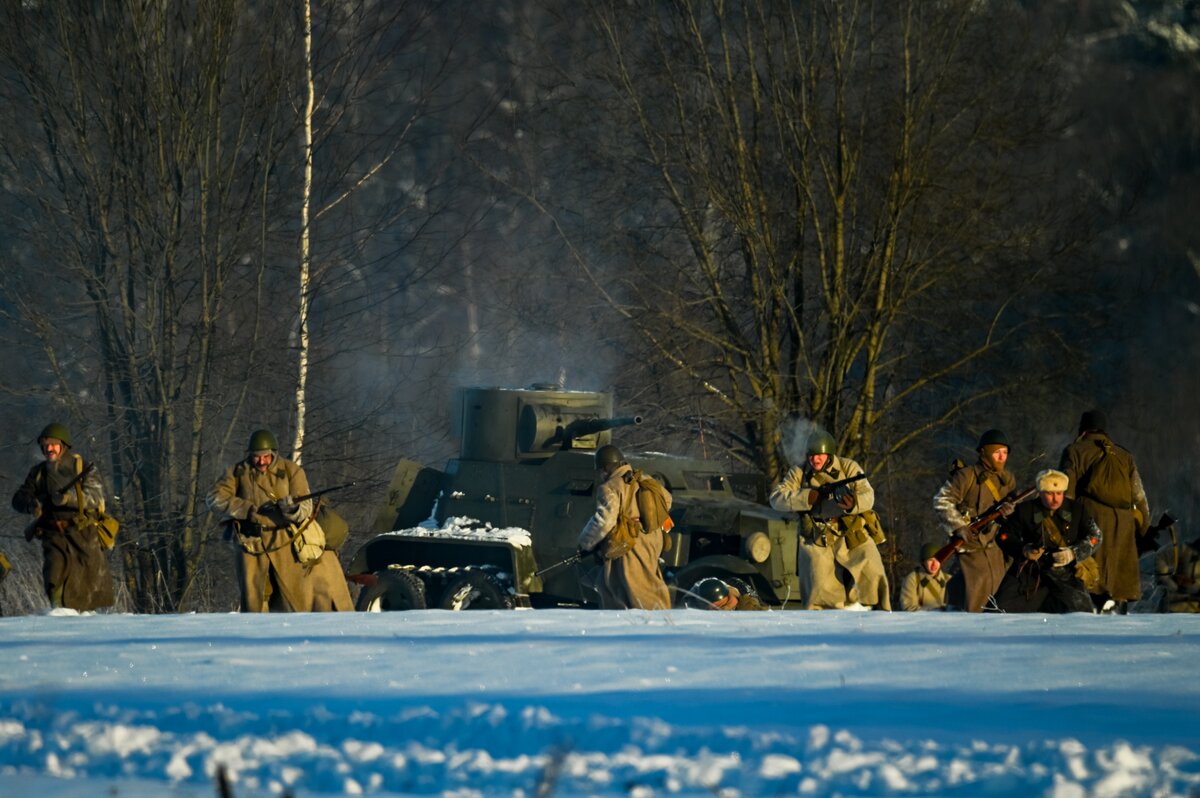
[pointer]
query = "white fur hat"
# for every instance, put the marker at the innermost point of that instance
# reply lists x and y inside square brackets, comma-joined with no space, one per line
[1052,481]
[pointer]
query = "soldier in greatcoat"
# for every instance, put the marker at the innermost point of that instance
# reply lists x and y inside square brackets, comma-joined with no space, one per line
[62,494]
[634,579]
[925,586]
[282,562]
[839,532]
[1105,479]
[967,494]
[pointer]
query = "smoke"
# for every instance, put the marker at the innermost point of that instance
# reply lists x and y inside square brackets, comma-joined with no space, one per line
[794,437]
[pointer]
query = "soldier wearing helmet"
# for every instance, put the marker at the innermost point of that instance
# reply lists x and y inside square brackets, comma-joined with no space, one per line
[970,491]
[632,579]
[838,560]
[925,586]
[712,593]
[63,494]
[281,558]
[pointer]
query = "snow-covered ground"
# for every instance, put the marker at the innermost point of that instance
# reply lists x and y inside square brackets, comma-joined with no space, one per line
[577,702]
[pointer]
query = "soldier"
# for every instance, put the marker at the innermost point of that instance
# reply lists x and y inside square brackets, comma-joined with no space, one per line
[1106,480]
[282,562]
[712,593]
[925,586]
[1177,574]
[63,494]
[839,530]
[1051,542]
[969,492]
[630,579]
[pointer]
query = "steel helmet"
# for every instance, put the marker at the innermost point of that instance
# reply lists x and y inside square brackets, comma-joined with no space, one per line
[821,442]
[928,550]
[56,431]
[608,457]
[262,440]
[706,592]
[992,437]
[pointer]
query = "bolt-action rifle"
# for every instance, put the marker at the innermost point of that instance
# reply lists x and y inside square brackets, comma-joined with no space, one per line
[574,558]
[319,493]
[1149,541]
[31,530]
[993,513]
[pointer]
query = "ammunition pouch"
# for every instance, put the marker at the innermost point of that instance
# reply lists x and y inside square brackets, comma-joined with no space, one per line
[1088,572]
[621,540]
[309,542]
[105,527]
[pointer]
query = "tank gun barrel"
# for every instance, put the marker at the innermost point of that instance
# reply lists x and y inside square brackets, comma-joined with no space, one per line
[582,427]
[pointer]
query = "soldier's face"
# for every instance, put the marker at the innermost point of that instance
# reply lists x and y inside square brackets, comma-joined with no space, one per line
[999,457]
[52,448]
[1052,499]
[818,461]
[261,462]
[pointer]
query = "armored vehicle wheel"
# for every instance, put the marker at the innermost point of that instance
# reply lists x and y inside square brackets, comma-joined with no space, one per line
[395,590]
[475,590]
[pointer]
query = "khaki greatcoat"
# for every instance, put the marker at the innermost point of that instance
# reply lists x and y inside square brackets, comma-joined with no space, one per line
[270,574]
[634,580]
[961,499]
[75,571]
[1117,557]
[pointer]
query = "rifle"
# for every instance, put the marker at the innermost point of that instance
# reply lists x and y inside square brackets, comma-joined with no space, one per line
[318,493]
[827,490]
[982,522]
[574,558]
[31,528]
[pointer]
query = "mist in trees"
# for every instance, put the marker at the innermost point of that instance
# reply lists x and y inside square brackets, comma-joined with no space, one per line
[904,222]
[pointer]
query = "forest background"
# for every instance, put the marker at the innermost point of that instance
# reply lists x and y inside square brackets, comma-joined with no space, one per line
[904,222]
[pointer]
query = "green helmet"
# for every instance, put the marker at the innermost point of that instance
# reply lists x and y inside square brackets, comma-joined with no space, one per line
[992,437]
[821,442]
[261,440]
[706,592]
[56,431]
[928,550]
[607,457]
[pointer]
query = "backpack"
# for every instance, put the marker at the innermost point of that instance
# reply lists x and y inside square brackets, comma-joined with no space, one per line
[1108,481]
[651,498]
[653,501]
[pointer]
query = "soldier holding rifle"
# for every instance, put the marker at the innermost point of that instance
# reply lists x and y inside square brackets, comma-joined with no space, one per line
[283,565]
[63,494]
[838,529]
[967,494]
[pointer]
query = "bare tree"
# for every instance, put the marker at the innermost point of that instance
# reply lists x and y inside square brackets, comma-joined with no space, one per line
[837,205]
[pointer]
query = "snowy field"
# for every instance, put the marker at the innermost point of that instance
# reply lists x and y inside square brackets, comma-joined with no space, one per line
[576,702]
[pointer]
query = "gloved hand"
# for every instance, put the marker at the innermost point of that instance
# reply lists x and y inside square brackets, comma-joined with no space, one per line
[1006,509]
[966,533]
[1063,557]
[814,497]
[259,519]
[846,501]
[287,506]
[1034,552]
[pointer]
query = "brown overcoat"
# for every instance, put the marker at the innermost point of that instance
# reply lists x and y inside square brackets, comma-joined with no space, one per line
[965,496]
[75,571]
[634,580]
[1117,556]
[270,573]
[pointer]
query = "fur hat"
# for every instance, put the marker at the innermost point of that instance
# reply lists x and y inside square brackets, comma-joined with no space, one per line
[1052,481]
[1093,420]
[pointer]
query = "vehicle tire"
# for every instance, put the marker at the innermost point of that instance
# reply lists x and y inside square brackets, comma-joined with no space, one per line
[395,590]
[475,590]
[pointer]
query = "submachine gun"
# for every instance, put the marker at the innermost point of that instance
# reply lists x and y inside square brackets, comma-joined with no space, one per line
[993,513]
